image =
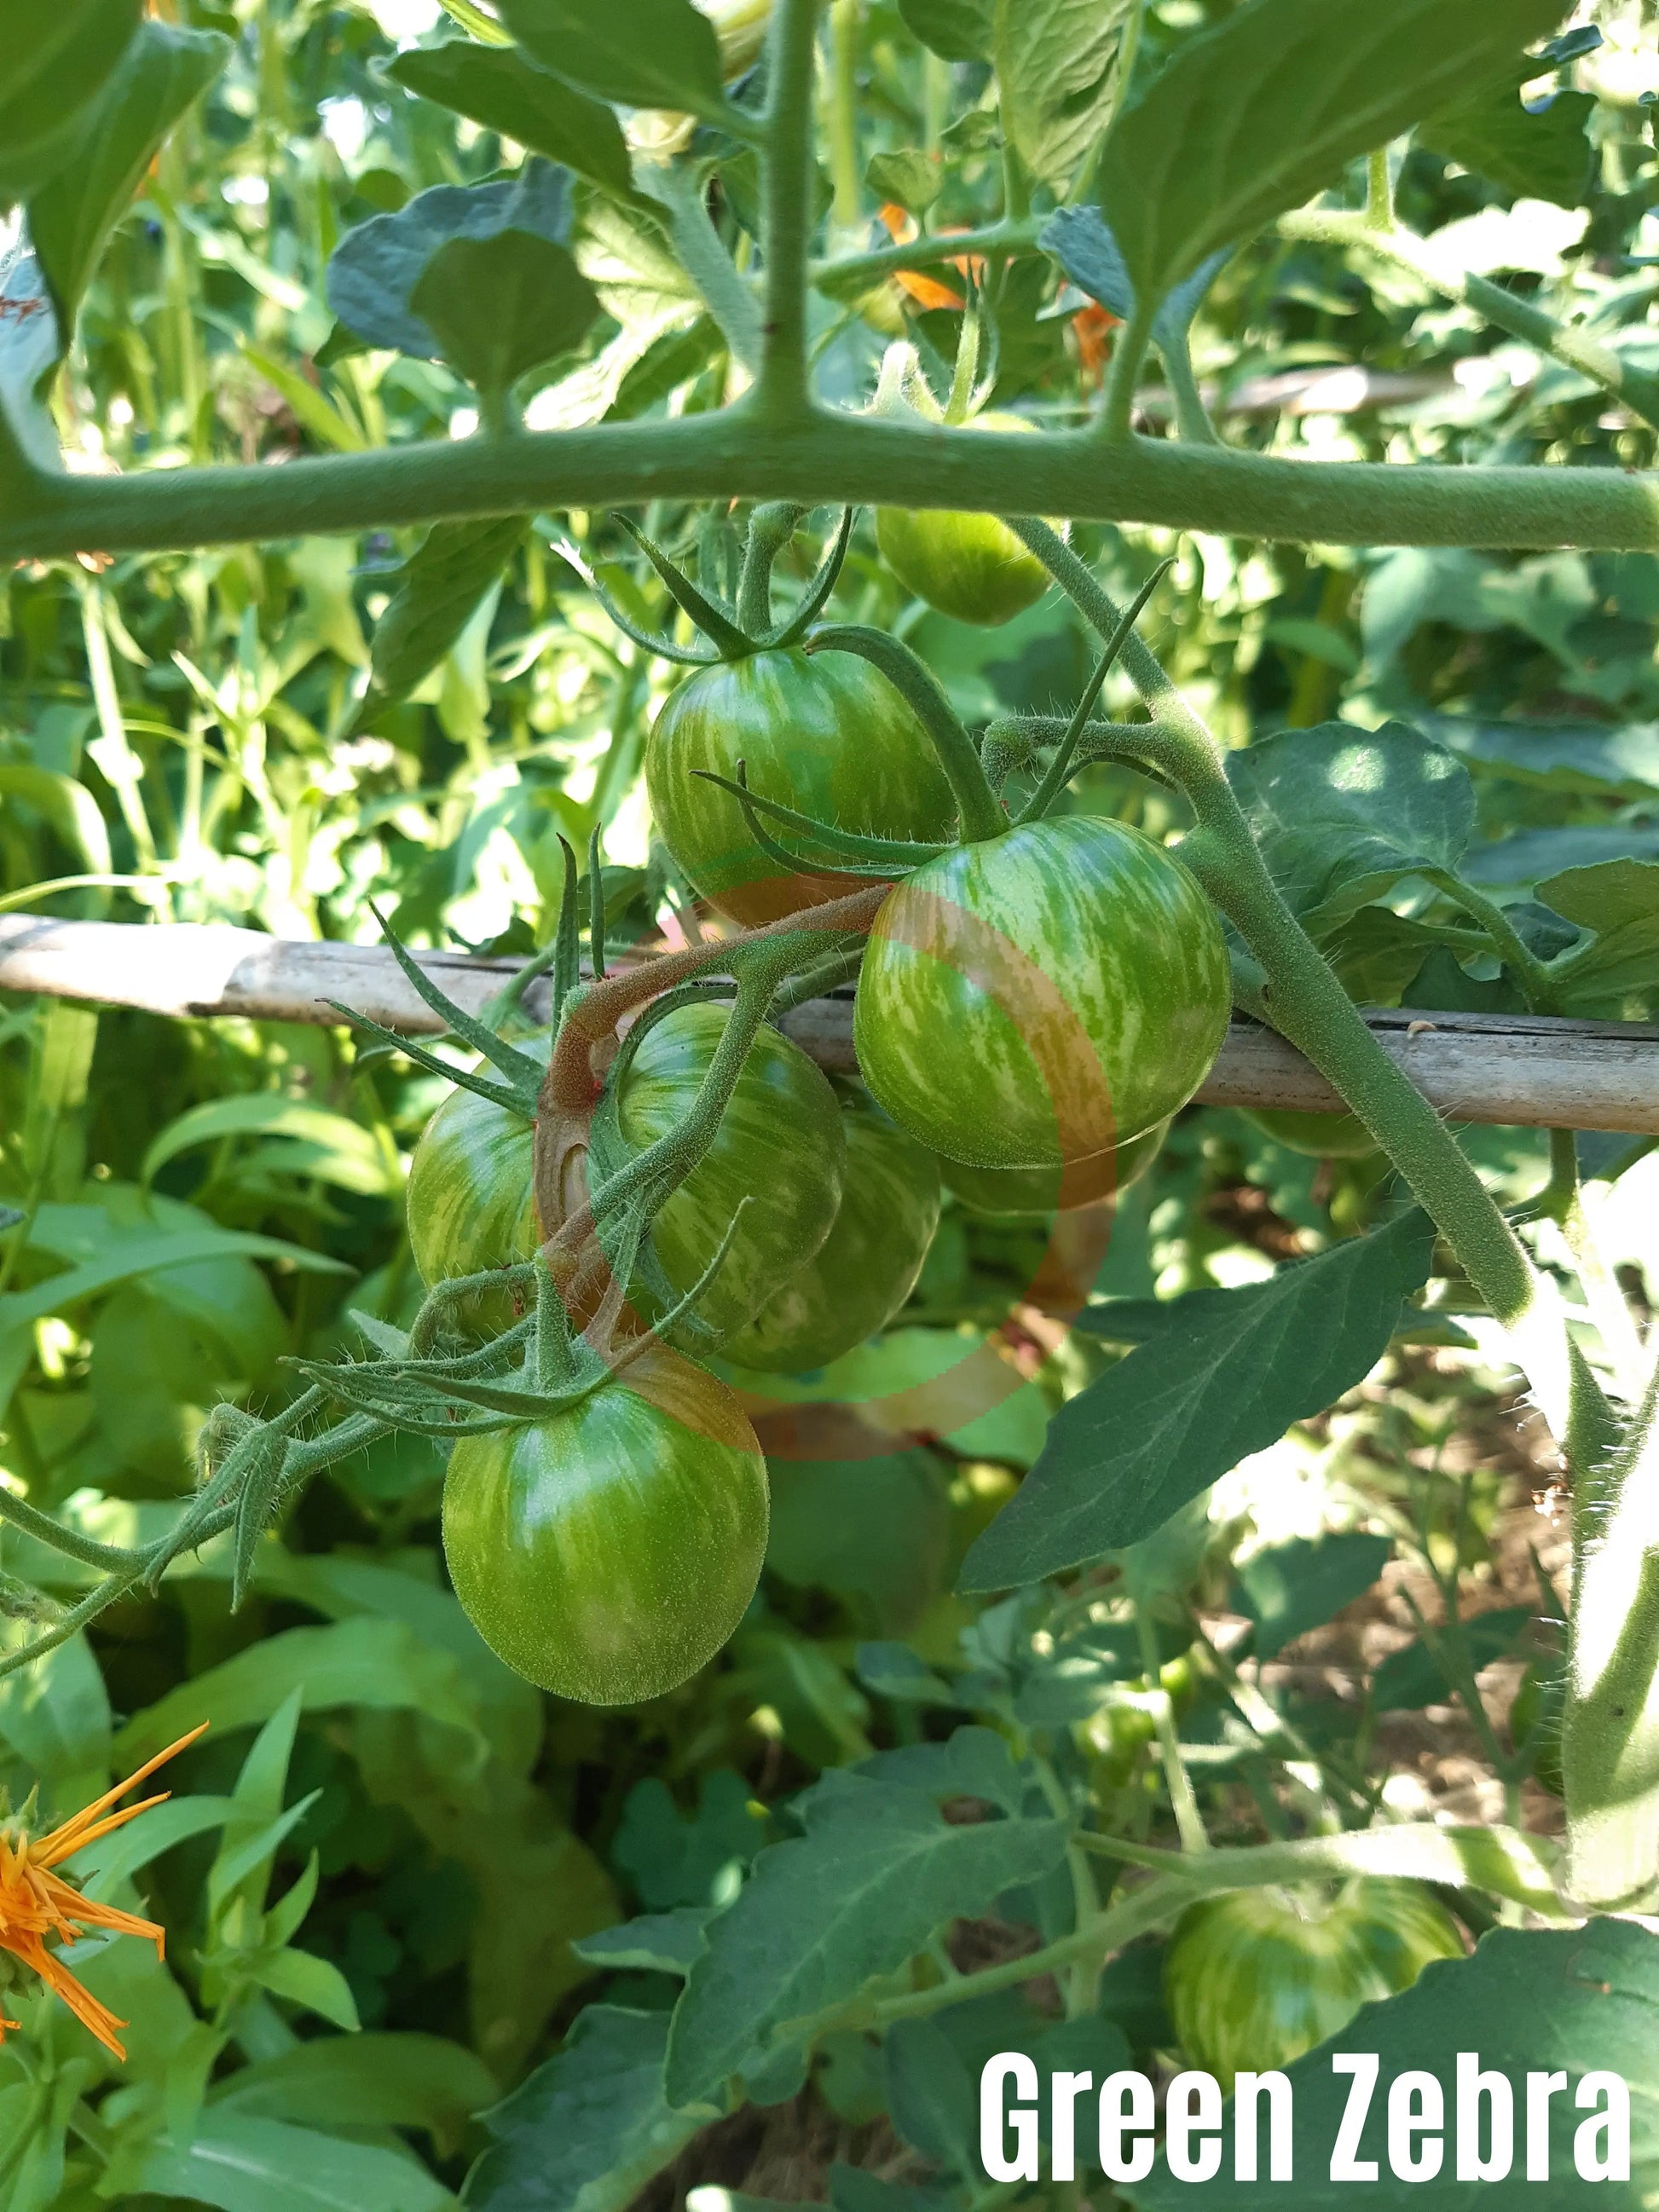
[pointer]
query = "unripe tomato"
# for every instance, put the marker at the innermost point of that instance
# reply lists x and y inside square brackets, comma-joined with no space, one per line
[1322,1136]
[1024,1193]
[867,1266]
[1257,1977]
[610,1550]
[781,1145]
[470,1203]
[827,735]
[971,566]
[1041,996]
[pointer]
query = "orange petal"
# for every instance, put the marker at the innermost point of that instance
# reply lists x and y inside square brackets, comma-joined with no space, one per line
[73,1832]
[97,2018]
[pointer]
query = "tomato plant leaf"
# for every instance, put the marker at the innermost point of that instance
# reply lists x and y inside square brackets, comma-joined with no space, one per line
[1227,1379]
[957,30]
[439,591]
[1288,1589]
[589,2129]
[1082,244]
[1535,153]
[502,305]
[878,1871]
[163,70]
[373,273]
[643,53]
[1056,63]
[58,61]
[1578,2001]
[1412,1677]
[1342,815]
[503,90]
[1256,116]
[1619,900]
[654,1943]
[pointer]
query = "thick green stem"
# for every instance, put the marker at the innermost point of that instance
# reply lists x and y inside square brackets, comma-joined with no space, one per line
[1129,353]
[855,272]
[979,814]
[783,391]
[708,263]
[770,529]
[1192,415]
[840,459]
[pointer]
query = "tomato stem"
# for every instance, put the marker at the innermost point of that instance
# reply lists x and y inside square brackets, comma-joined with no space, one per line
[979,814]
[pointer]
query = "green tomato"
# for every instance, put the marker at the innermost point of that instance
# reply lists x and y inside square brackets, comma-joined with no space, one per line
[470,1202]
[827,735]
[971,566]
[867,1266]
[1041,996]
[1322,1136]
[610,1550]
[780,1146]
[1026,1193]
[1257,1977]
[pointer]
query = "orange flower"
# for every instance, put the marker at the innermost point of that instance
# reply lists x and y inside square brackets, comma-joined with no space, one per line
[34,1902]
[926,291]
[1089,326]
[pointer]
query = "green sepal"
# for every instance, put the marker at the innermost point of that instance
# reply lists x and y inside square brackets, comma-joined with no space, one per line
[716,625]
[513,1063]
[791,632]
[883,853]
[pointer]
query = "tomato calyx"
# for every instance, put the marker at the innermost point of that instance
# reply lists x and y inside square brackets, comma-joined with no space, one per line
[734,632]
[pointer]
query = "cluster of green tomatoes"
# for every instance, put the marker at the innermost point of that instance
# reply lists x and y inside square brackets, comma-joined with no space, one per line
[1036,997]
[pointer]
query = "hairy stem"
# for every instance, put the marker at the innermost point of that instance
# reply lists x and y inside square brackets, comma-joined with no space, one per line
[782,389]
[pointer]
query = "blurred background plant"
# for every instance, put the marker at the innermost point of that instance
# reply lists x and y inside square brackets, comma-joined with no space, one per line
[379,1861]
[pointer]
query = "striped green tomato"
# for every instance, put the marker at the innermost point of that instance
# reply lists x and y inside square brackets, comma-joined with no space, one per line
[867,1266]
[1025,1191]
[1257,1977]
[826,734]
[470,1202]
[609,1551]
[780,1145]
[1042,996]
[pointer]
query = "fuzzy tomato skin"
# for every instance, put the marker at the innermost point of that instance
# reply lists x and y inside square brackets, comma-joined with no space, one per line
[780,1145]
[970,566]
[1023,1193]
[1257,1977]
[868,1264]
[609,1551]
[1041,996]
[826,734]
[470,1203]
[1321,1136]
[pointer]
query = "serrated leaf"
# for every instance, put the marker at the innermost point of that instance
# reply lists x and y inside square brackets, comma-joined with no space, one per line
[957,30]
[879,1871]
[373,273]
[644,53]
[1576,2000]
[439,591]
[58,60]
[1256,116]
[502,305]
[1134,1447]
[590,2128]
[1082,244]
[908,177]
[1055,64]
[503,90]
[1533,153]
[1342,814]
[1619,900]
[1288,1589]
[161,72]
[655,1942]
